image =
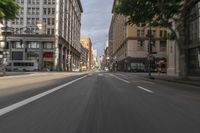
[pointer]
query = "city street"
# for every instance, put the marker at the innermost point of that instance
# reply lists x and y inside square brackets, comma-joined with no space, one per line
[97,102]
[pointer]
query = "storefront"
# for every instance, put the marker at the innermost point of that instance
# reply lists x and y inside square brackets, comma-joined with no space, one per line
[48,59]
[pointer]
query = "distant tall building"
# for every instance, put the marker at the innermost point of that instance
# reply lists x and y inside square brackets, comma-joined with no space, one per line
[94,53]
[84,56]
[47,31]
[87,43]
[128,45]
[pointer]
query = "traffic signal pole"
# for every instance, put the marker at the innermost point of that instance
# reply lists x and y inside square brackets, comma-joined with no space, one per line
[150,51]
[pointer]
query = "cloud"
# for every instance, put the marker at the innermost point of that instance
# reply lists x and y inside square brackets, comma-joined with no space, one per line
[96,20]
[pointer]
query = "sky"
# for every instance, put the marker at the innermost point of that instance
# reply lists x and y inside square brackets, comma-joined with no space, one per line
[96,20]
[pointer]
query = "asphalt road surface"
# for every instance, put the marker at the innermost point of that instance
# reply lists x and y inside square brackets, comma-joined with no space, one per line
[97,103]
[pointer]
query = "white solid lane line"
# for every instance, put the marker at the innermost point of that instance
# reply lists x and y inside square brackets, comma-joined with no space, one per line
[15,106]
[142,88]
[126,81]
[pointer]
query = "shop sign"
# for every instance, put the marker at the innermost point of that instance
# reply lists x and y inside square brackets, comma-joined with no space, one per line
[48,55]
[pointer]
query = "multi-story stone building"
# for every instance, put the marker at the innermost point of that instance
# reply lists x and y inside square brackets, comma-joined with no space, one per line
[84,56]
[87,44]
[194,40]
[47,31]
[192,45]
[106,58]
[94,55]
[128,45]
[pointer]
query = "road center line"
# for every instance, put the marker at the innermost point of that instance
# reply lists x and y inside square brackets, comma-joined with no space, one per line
[126,81]
[142,88]
[15,106]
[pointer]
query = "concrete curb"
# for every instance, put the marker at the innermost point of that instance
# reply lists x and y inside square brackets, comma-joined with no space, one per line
[194,83]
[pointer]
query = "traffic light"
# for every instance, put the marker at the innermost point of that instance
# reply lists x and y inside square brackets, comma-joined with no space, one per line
[7,45]
[21,42]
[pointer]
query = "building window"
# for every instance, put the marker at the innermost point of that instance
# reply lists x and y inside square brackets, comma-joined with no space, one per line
[48,21]
[28,21]
[48,45]
[140,44]
[45,2]
[49,2]
[44,20]
[33,45]
[17,55]
[21,21]
[153,33]
[53,21]
[17,21]
[53,11]
[163,33]
[140,33]
[49,11]
[37,11]
[33,55]
[22,1]
[163,45]
[38,2]
[33,21]
[44,11]
[22,11]
[153,43]
[17,45]
[33,11]
[48,31]
[29,1]
[29,11]
[52,31]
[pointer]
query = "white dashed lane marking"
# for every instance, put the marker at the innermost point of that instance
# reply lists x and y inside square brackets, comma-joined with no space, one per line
[144,89]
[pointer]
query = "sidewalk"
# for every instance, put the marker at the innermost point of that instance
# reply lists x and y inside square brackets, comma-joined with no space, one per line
[14,73]
[190,81]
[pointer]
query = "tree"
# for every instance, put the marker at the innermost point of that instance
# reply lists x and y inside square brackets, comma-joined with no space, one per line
[162,13]
[8,9]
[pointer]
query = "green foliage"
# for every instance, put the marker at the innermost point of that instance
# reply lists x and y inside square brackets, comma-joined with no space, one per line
[8,9]
[158,12]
